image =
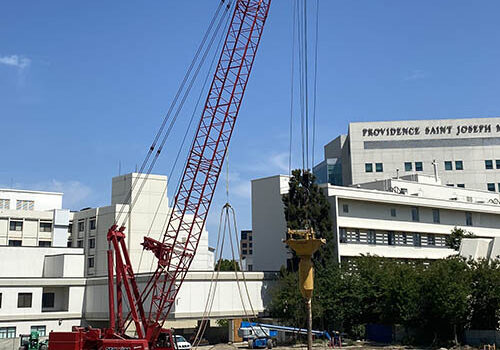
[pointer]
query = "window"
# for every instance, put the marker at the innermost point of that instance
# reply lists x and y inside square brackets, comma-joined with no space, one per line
[345,208]
[448,165]
[343,235]
[243,245]
[468,218]
[16,225]
[488,164]
[81,226]
[40,329]
[70,227]
[250,252]
[25,205]
[45,227]
[491,187]
[435,216]
[368,167]
[90,262]
[44,243]
[459,165]
[379,167]
[4,203]
[372,238]
[15,242]
[461,185]
[92,224]
[393,212]
[79,243]
[497,163]
[357,235]
[244,252]
[450,185]
[7,332]
[250,267]
[408,166]
[91,243]
[431,240]
[390,238]
[0,300]
[414,214]
[244,235]
[48,300]
[404,238]
[417,240]
[419,166]
[24,299]
[250,237]
[70,243]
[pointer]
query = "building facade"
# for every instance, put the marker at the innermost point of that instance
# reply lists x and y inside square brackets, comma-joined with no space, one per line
[401,218]
[464,152]
[246,249]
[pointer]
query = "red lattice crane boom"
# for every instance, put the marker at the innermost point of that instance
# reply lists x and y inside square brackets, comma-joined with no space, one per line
[192,201]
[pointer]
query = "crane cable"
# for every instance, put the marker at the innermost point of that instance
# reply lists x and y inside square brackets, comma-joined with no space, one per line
[167,117]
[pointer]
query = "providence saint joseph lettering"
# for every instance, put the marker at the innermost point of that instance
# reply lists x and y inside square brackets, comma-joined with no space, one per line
[430,130]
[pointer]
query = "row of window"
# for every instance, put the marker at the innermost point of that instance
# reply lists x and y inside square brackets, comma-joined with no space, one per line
[492,187]
[24,300]
[415,214]
[246,252]
[81,225]
[379,167]
[459,165]
[10,332]
[17,225]
[419,166]
[390,238]
[18,243]
[244,245]
[20,204]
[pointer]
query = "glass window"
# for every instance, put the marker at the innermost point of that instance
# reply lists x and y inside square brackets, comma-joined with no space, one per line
[25,205]
[448,165]
[431,240]
[345,208]
[40,329]
[390,238]
[461,185]
[81,226]
[45,227]
[343,235]
[70,227]
[250,252]
[404,238]
[450,185]
[4,203]
[91,243]
[379,167]
[468,218]
[414,214]
[491,187]
[243,245]
[459,165]
[497,162]
[15,242]
[16,225]
[435,216]
[44,243]
[250,237]
[244,252]
[250,245]
[90,262]
[408,166]
[250,267]
[79,244]
[393,212]
[7,332]
[244,235]
[357,235]
[48,300]
[488,164]
[92,224]
[0,300]
[368,167]
[372,238]
[417,240]
[70,243]
[419,166]
[24,299]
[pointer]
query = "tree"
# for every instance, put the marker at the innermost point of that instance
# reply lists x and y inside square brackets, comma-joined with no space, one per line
[455,238]
[227,265]
[307,207]
[485,294]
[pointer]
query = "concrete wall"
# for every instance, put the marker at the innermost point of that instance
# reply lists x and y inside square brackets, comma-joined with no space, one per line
[43,200]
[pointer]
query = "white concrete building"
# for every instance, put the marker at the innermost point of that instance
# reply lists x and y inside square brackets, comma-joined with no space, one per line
[403,218]
[466,151]
[480,248]
[33,218]
[148,217]
[40,289]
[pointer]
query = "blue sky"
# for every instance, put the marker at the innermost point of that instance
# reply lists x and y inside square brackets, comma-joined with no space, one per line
[84,85]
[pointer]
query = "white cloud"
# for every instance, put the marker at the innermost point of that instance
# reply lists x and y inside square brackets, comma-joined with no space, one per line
[17,61]
[416,74]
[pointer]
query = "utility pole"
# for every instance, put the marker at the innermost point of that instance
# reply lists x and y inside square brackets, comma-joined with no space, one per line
[305,245]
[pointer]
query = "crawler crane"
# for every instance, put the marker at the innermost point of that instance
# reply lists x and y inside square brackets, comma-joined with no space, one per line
[149,307]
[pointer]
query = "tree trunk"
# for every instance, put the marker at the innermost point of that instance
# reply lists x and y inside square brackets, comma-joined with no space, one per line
[309,324]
